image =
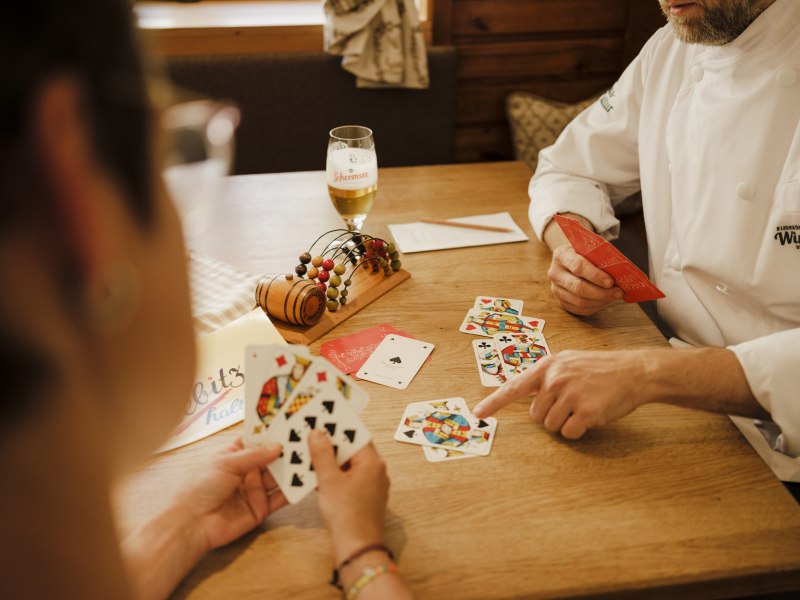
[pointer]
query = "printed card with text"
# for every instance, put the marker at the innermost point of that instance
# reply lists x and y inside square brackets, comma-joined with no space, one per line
[395,361]
[450,430]
[269,371]
[500,305]
[487,323]
[293,470]
[517,351]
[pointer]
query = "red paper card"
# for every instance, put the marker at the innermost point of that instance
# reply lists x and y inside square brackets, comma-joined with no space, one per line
[350,352]
[628,277]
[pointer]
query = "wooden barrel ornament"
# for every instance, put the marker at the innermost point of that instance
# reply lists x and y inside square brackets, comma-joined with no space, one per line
[295,301]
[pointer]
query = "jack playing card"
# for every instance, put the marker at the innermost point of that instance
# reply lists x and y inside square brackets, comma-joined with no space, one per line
[490,365]
[487,323]
[425,425]
[635,284]
[519,350]
[395,361]
[506,305]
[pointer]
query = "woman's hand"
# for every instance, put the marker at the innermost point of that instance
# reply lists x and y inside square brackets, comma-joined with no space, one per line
[223,503]
[352,502]
[234,496]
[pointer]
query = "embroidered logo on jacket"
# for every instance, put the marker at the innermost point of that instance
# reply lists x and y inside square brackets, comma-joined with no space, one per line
[788,235]
[605,99]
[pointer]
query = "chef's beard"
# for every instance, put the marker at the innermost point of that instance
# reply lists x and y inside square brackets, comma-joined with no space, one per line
[719,24]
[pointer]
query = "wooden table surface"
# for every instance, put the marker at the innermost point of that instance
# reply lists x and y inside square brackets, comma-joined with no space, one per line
[666,502]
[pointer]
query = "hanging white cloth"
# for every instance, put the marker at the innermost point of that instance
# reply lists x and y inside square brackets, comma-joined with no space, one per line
[381,42]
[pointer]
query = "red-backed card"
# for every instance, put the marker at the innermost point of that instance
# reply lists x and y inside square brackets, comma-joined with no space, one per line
[630,279]
[350,352]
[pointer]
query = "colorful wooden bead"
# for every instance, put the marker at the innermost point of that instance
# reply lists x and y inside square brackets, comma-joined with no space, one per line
[300,269]
[323,276]
[336,280]
[332,292]
[339,269]
[333,305]
[327,264]
[305,258]
[322,286]
[313,272]
[317,261]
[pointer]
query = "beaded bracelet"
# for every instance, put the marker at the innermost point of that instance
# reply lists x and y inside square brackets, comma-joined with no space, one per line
[368,575]
[357,554]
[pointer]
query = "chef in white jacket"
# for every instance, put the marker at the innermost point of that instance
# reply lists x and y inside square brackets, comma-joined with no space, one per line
[706,123]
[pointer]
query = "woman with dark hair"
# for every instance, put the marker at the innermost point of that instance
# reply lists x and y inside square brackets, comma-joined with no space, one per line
[96,343]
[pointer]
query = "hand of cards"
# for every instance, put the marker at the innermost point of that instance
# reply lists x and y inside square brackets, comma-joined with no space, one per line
[630,279]
[288,393]
[515,343]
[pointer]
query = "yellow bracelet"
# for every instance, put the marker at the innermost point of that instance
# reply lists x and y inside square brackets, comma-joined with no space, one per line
[368,575]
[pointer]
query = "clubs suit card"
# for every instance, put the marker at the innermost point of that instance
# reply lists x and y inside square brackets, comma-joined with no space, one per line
[517,351]
[395,361]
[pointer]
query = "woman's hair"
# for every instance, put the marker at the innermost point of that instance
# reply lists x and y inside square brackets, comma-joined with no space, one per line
[92,41]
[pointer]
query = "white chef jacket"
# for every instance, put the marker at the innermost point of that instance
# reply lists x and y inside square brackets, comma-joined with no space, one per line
[711,137]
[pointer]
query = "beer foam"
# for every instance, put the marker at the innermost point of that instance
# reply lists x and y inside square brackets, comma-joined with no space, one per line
[352,168]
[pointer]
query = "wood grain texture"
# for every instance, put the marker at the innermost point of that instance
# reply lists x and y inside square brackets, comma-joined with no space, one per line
[665,502]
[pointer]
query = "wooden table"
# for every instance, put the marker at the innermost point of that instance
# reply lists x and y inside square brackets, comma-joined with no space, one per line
[667,502]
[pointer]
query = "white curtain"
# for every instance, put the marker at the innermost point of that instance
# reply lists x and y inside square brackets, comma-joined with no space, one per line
[381,41]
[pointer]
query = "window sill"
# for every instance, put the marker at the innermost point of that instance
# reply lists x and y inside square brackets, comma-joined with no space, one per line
[226,27]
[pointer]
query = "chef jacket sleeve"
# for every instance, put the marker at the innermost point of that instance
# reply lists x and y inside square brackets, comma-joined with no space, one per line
[772,367]
[594,164]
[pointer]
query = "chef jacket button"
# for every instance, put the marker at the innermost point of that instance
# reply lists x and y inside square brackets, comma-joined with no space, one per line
[675,263]
[696,73]
[723,289]
[745,190]
[786,77]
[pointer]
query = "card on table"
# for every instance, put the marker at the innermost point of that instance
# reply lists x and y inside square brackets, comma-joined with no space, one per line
[435,455]
[489,363]
[601,253]
[293,470]
[395,361]
[487,323]
[493,304]
[425,424]
[271,375]
[517,351]
[322,378]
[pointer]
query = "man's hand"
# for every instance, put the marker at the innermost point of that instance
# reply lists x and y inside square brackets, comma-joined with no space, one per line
[579,286]
[575,391]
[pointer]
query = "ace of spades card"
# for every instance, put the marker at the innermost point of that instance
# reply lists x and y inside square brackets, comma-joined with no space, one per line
[270,371]
[519,350]
[395,362]
[426,425]
[293,470]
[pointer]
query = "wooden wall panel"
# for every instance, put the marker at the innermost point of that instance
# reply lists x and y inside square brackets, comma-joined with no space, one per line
[488,17]
[567,50]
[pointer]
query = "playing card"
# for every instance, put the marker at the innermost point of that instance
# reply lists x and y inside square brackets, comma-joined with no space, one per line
[293,470]
[441,455]
[602,254]
[269,370]
[487,323]
[519,350]
[489,364]
[322,378]
[506,305]
[451,430]
[395,361]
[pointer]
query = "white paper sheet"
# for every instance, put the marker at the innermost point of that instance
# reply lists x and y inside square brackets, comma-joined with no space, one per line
[217,398]
[423,237]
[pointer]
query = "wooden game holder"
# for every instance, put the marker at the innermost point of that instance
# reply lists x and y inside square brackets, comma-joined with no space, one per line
[367,287]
